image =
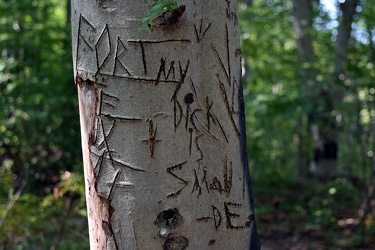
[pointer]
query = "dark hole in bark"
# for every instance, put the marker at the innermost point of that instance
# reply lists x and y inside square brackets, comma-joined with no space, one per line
[169,214]
[168,218]
[211,242]
[189,98]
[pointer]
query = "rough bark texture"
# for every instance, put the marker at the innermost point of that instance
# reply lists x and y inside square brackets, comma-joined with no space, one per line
[162,124]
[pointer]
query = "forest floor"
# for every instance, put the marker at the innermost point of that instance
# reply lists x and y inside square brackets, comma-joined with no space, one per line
[291,242]
[308,215]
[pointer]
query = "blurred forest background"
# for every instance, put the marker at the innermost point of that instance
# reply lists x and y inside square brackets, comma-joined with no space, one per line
[309,82]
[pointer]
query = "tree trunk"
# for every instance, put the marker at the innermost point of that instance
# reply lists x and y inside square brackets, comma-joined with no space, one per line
[311,93]
[324,97]
[162,125]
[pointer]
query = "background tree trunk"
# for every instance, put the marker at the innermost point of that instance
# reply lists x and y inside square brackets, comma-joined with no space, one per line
[162,125]
[324,96]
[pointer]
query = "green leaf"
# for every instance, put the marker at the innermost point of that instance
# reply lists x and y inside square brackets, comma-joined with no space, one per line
[156,9]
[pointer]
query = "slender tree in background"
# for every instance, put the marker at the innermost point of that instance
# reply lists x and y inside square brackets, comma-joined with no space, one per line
[322,95]
[162,125]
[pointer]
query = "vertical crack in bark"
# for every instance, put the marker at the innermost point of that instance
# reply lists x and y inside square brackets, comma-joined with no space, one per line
[107,227]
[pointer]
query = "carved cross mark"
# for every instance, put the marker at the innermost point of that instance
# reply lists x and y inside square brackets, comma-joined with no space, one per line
[151,141]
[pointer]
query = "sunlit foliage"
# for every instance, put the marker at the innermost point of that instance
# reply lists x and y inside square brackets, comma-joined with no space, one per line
[39,129]
[274,103]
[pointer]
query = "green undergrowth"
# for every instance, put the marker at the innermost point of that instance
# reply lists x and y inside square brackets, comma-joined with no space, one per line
[54,221]
[325,214]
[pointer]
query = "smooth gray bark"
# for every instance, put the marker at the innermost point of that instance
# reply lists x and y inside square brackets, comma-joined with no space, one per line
[162,125]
